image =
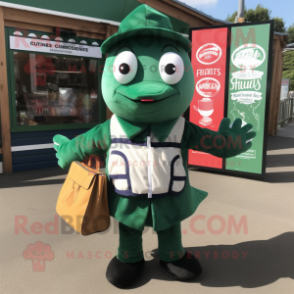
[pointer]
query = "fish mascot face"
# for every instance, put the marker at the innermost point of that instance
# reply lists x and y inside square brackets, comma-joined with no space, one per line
[148,77]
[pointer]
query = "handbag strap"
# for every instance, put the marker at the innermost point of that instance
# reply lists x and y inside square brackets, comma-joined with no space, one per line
[93,159]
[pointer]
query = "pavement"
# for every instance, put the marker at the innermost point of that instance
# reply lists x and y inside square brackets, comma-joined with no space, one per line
[287,131]
[242,233]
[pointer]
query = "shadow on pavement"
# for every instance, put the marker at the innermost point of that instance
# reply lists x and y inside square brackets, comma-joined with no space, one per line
[32,178]
[279,177]
[280,160]
[287,130]
[265,262]
[277,143]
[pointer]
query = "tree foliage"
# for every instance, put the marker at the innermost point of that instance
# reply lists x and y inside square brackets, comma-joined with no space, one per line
[260,13]
[291,34]
[231,18]
[288,68]
[279,25]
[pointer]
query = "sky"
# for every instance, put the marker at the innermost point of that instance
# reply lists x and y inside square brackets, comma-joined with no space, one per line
[221,8]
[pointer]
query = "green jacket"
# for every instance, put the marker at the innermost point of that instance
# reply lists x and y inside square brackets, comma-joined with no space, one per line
[137,212]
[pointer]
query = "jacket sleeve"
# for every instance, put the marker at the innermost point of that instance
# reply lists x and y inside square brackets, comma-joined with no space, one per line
[94,142]
[205,140]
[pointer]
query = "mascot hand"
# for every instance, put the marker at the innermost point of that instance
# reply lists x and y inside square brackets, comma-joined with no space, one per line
[60,143]
[238,138]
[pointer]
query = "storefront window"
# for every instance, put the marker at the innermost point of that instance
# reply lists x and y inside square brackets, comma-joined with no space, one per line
[53,89]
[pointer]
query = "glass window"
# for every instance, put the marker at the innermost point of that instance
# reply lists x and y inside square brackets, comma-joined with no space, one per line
[52,89]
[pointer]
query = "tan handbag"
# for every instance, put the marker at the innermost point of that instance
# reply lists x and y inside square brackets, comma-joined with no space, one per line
[83,201]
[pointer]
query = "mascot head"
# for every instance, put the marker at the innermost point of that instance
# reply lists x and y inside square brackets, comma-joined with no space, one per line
[148,77]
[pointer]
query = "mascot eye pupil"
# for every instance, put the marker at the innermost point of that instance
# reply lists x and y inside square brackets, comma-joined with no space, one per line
[170,69]
[124,68]
[173,68]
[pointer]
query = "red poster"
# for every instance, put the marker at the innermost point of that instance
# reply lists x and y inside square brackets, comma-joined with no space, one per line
[208,57]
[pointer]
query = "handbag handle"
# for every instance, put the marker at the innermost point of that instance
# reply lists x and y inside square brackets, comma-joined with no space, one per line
[93,158]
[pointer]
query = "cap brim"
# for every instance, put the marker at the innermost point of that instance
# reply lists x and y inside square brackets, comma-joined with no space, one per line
[151,32]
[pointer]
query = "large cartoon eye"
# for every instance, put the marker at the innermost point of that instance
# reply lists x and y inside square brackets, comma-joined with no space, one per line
[171,68]
[125,67]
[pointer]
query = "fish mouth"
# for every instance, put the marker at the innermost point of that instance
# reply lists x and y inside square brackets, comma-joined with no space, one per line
[148,100]
[147,92]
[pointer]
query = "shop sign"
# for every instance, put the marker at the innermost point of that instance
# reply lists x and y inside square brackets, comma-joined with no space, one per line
[209,53]
[248,56]
[208,87]
[231,64]
[247,91]
[208,60]
[54,47]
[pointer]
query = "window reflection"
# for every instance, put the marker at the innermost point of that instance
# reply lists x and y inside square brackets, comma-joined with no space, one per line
[55,89]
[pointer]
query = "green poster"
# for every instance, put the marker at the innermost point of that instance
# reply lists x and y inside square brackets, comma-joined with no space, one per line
[247,90]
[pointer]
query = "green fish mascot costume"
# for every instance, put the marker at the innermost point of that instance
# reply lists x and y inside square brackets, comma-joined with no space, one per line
[148,83]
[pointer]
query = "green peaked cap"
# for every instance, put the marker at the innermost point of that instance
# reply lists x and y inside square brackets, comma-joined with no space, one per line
[145,21]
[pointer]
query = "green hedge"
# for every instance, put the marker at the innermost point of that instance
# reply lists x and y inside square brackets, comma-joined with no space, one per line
[288,68]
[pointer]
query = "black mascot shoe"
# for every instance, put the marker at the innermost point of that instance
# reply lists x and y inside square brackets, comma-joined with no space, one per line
[186,268]
[122,274]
